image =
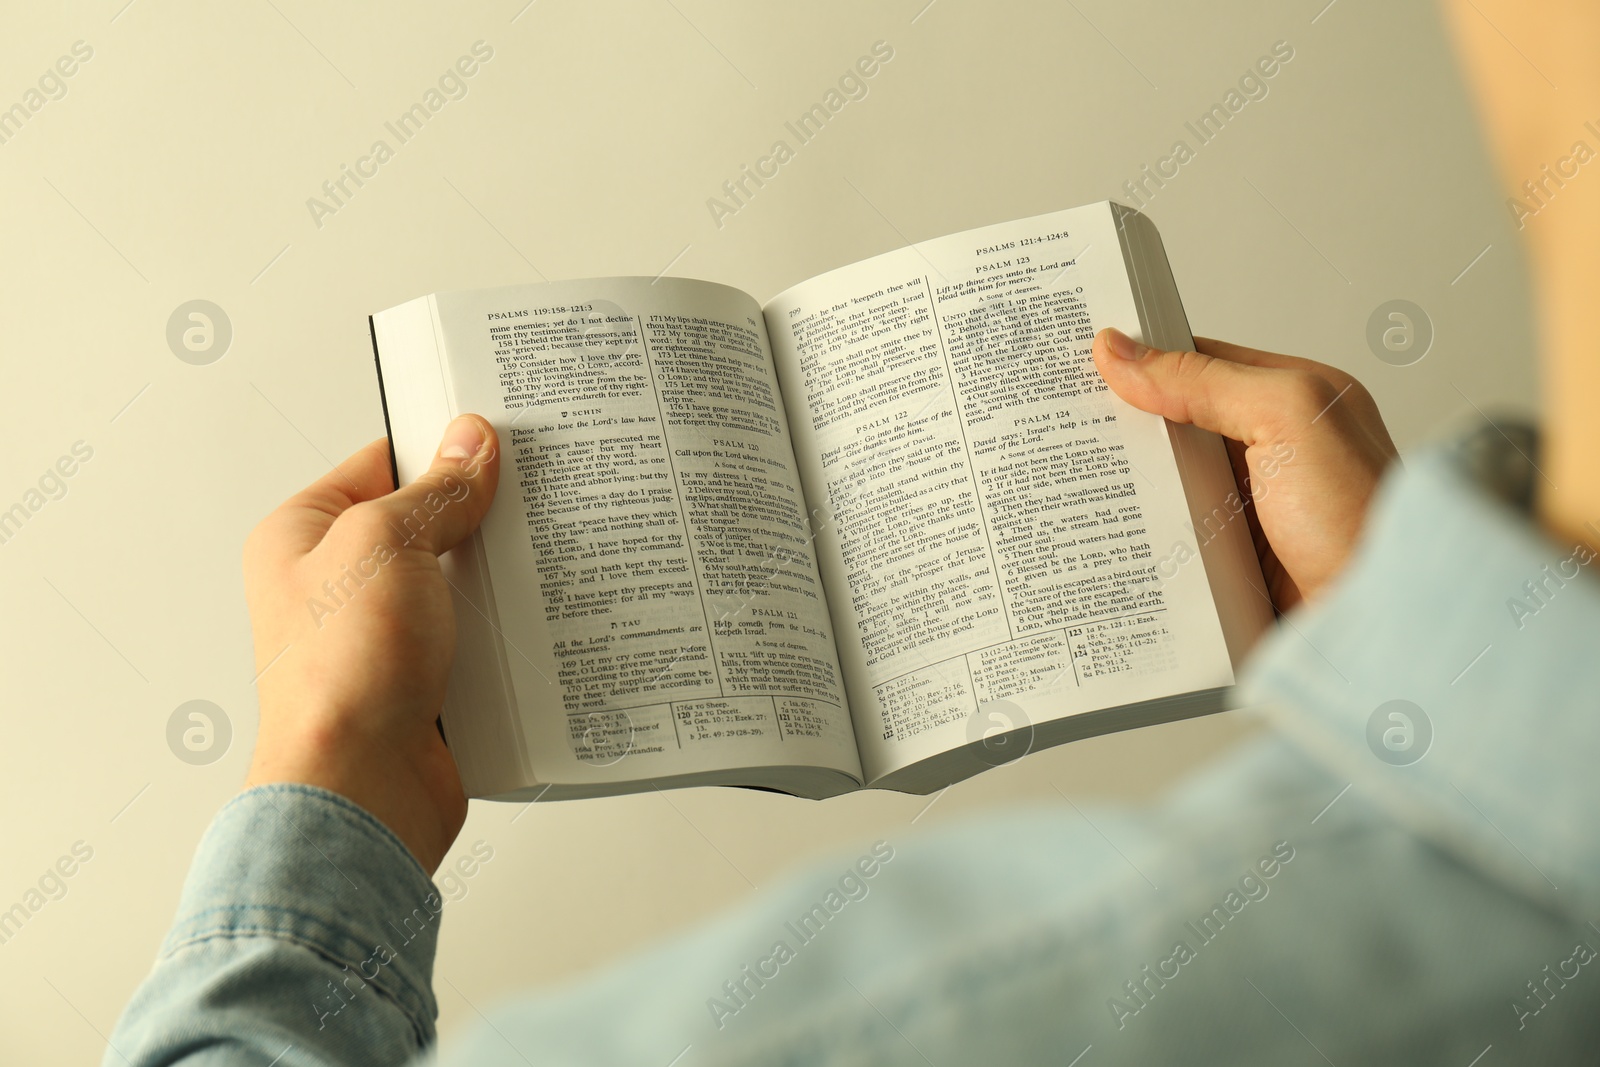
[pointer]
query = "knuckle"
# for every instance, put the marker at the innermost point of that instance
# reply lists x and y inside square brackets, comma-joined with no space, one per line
[1358,393]
[1193,394]
[1190,366]
[365,523]
[1339,378]
[1344,383]
[252,541]
[1308,394]
[260,542]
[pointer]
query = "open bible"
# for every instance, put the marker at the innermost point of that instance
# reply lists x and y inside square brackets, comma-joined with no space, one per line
[888,529]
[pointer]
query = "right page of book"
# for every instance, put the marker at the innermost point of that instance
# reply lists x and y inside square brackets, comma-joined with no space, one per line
[995,528]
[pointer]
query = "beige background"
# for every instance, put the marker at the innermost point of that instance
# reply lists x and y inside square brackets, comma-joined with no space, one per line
[178,167]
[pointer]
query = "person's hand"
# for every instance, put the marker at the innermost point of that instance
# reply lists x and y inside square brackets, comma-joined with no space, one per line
[1307,444]
[355,633]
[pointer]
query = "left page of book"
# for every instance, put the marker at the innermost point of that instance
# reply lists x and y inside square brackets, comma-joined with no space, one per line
[648,550]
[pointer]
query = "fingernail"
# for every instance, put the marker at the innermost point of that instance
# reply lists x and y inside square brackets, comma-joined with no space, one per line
[1123,346]
[462,439]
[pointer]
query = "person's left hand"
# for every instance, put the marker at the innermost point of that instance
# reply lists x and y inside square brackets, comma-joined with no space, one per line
[355,633]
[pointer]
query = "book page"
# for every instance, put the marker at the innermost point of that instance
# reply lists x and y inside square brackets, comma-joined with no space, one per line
[992,518]
[648,546]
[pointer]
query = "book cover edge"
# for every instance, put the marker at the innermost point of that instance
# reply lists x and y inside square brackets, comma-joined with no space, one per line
[383,401]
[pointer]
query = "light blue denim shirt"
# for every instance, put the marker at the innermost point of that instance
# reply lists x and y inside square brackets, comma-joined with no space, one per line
[1353,888]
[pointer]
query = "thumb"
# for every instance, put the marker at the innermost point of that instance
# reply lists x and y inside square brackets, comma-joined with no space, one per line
[1246,402]
[446,502]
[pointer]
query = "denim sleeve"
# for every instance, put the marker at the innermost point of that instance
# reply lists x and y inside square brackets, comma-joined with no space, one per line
[1451,676]
[305,936]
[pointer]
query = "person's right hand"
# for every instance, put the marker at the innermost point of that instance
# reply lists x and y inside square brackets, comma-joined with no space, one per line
[1306,440]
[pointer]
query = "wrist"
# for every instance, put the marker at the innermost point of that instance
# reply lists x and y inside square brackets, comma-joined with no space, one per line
[408,783]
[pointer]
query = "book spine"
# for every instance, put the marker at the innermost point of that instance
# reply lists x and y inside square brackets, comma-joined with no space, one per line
[383,399]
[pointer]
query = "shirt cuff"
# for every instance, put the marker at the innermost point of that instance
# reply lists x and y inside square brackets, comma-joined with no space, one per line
[300,864]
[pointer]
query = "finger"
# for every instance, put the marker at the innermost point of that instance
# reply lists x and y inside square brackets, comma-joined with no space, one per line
[1257,357]
[1355,394]
[1242,401]
[365,475]
[448,500]
[297,525]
